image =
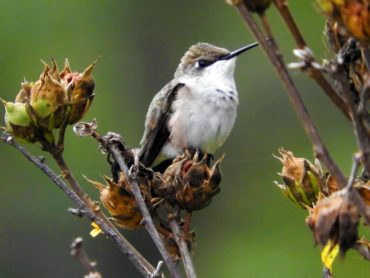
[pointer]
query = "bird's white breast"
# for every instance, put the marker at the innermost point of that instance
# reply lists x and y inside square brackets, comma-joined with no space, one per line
[204,114]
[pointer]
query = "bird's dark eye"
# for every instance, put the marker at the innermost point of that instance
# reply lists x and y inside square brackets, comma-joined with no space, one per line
[204,63]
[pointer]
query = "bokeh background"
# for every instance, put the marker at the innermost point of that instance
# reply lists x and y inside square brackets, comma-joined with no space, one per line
[250,229]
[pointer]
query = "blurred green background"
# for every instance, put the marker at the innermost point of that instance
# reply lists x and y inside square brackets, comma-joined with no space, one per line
[250,229]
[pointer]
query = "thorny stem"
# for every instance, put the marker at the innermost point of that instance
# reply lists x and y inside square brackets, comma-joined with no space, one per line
[184,250]
[316,74]
[78,252]
[149,223]
[319,148]
[143,266]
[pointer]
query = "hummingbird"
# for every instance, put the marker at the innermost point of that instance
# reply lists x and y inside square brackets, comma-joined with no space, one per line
[196,110]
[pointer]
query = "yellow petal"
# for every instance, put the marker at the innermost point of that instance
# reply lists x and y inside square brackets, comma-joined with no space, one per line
[96,230]
[328,254]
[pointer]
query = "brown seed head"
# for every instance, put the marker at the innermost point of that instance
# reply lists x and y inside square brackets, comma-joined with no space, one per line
[335,218]
[119,202]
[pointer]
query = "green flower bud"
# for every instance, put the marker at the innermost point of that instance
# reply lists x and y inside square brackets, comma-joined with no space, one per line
[48,102]
[18,122]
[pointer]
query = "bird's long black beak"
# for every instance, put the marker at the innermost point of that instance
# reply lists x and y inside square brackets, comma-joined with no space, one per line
[238,51]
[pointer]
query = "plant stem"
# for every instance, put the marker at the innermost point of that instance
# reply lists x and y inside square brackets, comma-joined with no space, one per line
[184,250]
[319,148]
[143,266]
[149,223]
[78,252]
[314,73]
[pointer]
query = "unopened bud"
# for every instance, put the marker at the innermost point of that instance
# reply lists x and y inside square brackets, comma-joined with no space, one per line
[18,122]
[48,102]
[80,87]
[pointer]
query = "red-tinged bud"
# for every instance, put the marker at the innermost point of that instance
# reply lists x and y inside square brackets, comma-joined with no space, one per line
[80,87]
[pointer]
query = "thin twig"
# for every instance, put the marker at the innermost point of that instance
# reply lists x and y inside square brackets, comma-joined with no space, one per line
[326,273]
[316,74]
[353,175]
[319,148]
[158,270]
[78,252]
[144,267]
[184,250]
[354,195]
[148,221]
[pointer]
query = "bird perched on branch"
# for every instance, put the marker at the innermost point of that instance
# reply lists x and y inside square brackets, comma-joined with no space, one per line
[195,110]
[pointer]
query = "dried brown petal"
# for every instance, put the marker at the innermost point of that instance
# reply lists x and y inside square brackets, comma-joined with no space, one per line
[119,202]
[335,218]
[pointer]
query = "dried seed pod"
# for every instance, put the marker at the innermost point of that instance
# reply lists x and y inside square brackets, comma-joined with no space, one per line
[119,202]
[47,102]
[335,218]
[257,6]
[353,15]
[80,87]
[302,180]
[194,181]
[18,122]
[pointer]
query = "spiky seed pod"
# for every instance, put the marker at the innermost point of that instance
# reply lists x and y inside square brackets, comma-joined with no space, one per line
[48,102]
[195,182]
[335,218]
[119,202]
[18,122]
[80,87]
[302,180]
